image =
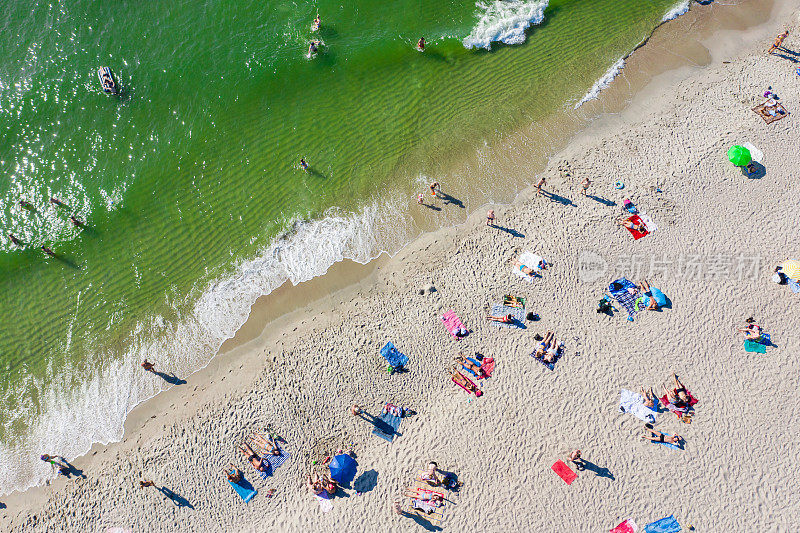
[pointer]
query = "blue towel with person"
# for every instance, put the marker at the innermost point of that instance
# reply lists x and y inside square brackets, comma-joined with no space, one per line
[244,489]
[396,359]
[386,426]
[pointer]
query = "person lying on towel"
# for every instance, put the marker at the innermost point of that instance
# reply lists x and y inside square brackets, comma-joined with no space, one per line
[641,228]
[653,297]
[472,367]
[657,436]
[679,396]
[459,378]
[751,330]
[548,348]
[505,319]
[525,269]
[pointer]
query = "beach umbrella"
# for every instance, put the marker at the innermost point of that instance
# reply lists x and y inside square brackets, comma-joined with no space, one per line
[343,468]
[739,155]
[792,269]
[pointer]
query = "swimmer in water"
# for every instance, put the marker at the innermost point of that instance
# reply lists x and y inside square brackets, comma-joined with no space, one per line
[76,221]
[434,187]
[316,24]
[421,44]
[27,205]
[48,251]
[56,201]
[313,48]
[14,239]
[303,164]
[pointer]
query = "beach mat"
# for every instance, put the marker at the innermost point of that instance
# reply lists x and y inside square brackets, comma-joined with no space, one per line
[626,526]
[517,312]
[753,346]
[636,219]
[626,299]
[665,525]
[387,425]
[549,366]
[761,111]
[277,460]
[564,472]
[244,489]
[452,323]
[393,356]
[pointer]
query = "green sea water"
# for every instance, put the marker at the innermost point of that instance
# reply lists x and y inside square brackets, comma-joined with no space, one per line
[188,181]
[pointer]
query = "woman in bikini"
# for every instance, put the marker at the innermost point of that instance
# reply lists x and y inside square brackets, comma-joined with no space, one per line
[261,466]
[656,436]
[430,476]
[469,365]
[268,445]
[233,474]
[459,378]
[541,350]
[630,225]
[751,330]
[329,485]
[552,351]
[679,396]
[505,319]
[314,485]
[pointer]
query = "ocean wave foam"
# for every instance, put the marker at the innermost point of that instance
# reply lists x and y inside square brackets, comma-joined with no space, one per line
[604,81]
[71,420]
[504,21]
[677,10]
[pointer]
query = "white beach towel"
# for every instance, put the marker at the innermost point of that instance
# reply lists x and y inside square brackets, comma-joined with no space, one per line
[530,260]
[324,502]
[648,222]
[630,402]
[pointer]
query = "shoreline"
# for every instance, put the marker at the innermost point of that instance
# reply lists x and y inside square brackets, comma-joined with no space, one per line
[242,348]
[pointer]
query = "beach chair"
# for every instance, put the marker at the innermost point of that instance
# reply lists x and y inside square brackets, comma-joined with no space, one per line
[394,357]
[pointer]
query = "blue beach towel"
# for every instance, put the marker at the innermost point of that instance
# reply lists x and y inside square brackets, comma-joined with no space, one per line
[753,346]
[517,312]
[244,489]
[552,365]
[395,358]
[621,294]
[277,460]
[387,426]
[665,525]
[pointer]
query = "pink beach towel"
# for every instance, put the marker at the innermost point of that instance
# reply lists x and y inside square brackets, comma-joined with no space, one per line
[564,472]
[676,409]
[453,323]
[628,526]
[487,367]
[478,392]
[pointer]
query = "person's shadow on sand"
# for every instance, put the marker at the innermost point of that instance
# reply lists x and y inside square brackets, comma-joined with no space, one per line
[448,199]
[598,471]
[71,470]
[175,498]
[510,231]
[170,378]
[604,201]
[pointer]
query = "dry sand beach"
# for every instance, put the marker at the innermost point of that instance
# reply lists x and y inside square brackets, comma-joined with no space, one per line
[720,235]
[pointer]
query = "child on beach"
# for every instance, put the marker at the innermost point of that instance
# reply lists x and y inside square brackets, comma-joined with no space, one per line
[586,183]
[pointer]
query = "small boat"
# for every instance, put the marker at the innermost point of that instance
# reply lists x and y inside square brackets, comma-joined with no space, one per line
[107,80]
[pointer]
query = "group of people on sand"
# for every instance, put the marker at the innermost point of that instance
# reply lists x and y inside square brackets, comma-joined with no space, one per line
[258,462]
[317,485]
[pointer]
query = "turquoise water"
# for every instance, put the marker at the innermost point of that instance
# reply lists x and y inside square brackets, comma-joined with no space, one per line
[188,181]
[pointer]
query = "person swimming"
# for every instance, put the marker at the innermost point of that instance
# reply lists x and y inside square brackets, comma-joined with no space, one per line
[303,164]
[14,239]
[421,44]
[316,24]
[313,48]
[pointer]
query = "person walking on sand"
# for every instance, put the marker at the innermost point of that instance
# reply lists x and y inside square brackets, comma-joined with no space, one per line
[303,164]
[435,187]
[586,183]
[148,366]
[778,44]
[355,410]
[539,185]
[144,484]
[421,44]
[52,459]
[490,217]
[575,458]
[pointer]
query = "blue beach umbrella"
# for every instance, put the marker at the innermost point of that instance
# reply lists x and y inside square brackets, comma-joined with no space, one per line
[343,468]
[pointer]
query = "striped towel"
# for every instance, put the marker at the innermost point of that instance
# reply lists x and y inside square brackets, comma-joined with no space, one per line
[625,298]
[517,312]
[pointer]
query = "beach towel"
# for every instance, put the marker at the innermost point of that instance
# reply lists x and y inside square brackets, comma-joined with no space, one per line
[625,298]
[395,358]
[675,409]
[387,426]
[550,366]
[754,346]
[564,472]
[478,392]
[780,112]
[795,286]
[529,260]
[277,460]
[665,525]
[324,500]
[488,366]
[453,324]
[647,220]
[669,444]
[518,313]
[630,402]
[626,526]
[244,489]
[513,301]
[636,219]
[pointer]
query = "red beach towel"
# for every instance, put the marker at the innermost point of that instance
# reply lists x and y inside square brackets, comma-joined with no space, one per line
[564,472]
[636,234]
[453,323]
[673,408]
[488,366]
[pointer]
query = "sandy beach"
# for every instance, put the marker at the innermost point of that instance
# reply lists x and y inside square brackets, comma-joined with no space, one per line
[720,234]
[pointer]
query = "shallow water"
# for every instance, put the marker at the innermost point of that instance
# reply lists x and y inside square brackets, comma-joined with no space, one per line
[188,181]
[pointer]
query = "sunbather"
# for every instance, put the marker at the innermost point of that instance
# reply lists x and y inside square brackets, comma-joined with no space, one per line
[751,330]
[424,500]
[234,474]
[649,398]
[393,409]
[505,319]
[552,351]
[268,444]
[541,350]
[314,484]
[477,370]
[430,475]
[329,485]
[657,436]
[645,288]
[459,378]
[679,396]
[524,268]
[254,459]
[630,225]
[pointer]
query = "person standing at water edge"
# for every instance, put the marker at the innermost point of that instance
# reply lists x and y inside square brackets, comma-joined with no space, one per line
[148,366]
[778,44]
[539,185]
[434,187]
[490,217]
[421,44]
[421,199]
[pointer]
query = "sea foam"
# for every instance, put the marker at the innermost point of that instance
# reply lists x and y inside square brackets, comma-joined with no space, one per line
[71,419]
[604,81]
[677,10]
[504,21]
